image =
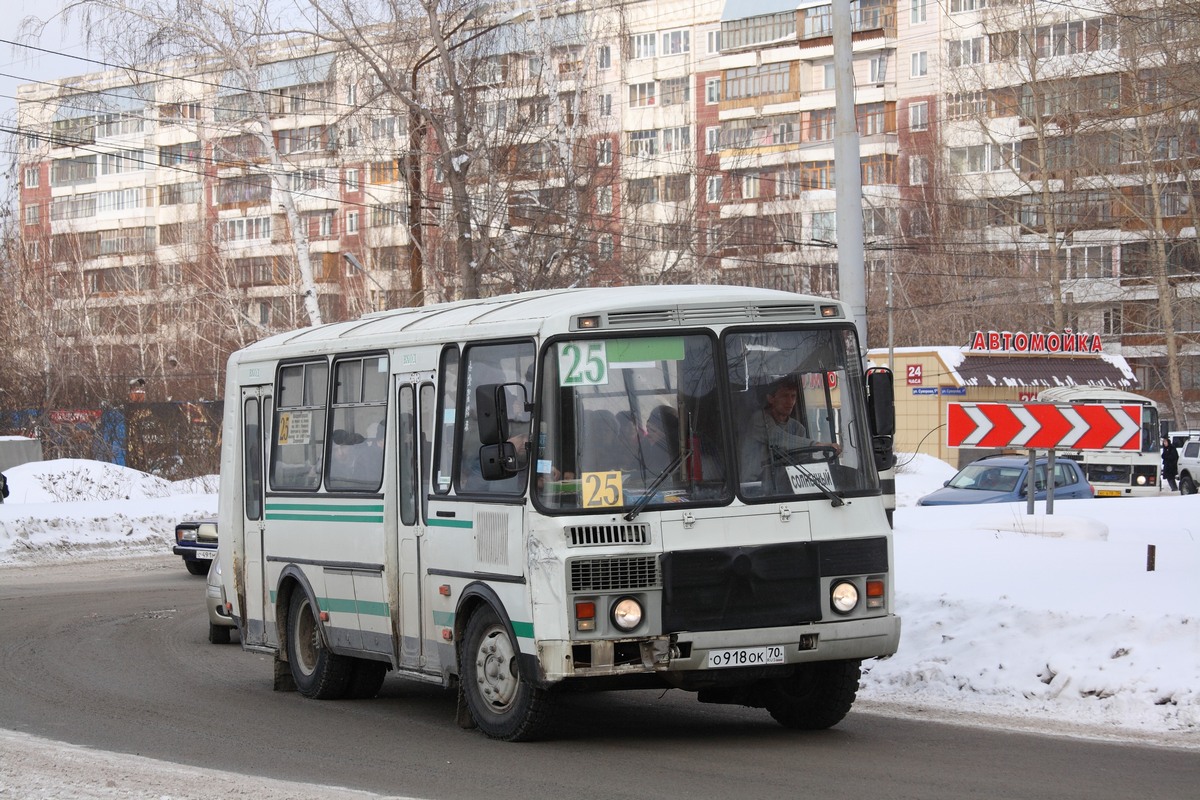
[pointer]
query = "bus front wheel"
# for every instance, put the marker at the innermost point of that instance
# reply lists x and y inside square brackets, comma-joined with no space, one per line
[503,702]
[318,672]
[817,696]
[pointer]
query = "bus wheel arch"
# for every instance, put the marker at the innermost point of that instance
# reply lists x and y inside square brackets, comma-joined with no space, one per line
[500,688]
[316,670]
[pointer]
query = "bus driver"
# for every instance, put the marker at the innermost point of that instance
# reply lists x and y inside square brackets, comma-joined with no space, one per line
[775,428]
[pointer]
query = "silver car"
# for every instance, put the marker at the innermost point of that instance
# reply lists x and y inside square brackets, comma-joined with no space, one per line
[220,623]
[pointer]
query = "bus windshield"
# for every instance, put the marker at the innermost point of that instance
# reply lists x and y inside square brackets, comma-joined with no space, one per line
[638,421]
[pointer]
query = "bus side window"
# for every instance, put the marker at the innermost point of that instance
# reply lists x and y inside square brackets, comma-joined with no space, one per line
[495,364]
[298,447]
[252,459]
[427,407]
[448,408]
[408,468]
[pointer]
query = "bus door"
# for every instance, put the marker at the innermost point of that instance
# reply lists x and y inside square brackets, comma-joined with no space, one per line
[256,425]
[416,405]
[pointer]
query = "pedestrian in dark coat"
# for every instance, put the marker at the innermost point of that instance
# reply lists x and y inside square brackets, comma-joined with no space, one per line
[1170,463]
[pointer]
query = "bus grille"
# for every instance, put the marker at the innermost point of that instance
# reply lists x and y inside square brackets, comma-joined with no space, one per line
[615,574]
[588,535]
[1108,473]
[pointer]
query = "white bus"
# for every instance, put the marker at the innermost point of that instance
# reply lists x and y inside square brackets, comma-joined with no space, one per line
[1116,473]
[519,495]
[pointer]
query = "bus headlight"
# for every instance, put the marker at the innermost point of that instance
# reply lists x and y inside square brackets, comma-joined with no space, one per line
[843,597]
[1141,480]
[627,613]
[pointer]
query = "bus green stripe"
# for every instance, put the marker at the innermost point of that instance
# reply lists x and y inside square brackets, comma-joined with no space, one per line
[450,523]
[337,605]
[376,507]
[327,517]
[445,619]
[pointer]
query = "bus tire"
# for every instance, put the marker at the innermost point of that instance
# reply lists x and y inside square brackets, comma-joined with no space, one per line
[504,703]
[1187,485]
[318,672]
[817,696]
[366,676]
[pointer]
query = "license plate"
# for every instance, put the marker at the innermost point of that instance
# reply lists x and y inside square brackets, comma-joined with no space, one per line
[1108,493]
[746,657]
[206,555]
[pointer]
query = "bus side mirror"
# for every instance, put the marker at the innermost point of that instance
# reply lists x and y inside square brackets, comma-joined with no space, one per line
[881,401]
[498,461]
[492,413]
[881,407]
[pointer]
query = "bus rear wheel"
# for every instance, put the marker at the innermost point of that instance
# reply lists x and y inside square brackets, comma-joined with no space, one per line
[503,702]
[817,696]
[318,672]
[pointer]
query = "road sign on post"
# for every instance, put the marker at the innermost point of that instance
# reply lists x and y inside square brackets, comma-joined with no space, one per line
[1042,426]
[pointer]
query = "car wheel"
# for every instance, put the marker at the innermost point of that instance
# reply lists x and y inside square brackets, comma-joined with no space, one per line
[1187,485]
[318,672]
[198,567]
[817,696]
[218,634]
[503,702]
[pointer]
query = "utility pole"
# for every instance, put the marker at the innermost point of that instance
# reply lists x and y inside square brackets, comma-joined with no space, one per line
[852,284]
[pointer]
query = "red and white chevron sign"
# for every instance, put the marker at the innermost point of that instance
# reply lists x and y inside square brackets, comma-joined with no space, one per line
[1041,426]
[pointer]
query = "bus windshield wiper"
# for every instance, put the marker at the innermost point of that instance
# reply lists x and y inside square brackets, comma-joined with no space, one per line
[834,499]
[644,500]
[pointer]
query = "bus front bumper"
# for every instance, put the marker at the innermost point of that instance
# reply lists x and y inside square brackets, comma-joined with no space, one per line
[704,651]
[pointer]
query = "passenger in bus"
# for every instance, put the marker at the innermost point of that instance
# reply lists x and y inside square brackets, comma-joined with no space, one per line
[660,445]
[775,428]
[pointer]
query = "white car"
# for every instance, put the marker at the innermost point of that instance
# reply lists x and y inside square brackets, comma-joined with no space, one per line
[1189,466]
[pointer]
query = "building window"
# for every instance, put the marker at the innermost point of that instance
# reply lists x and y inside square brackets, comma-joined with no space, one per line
[918,170]
[916,11]
[823,227]
[825,77]
[641,45]
[351,180]
[676,43]
[918,116]
[676,91]
[604,200]
[605,246]
[957,6]
[879,68]
[714,42]
[964,52]
[750,186]
[755,81]
[1111,324]
[712,91]
[642,95]
[604,152]
[712,189]
[33,214]
[32,177]
[788,182]
[604,57]
[920,64]
[712,139]
[677,140]
[605,105]
[351,222]
[643,144]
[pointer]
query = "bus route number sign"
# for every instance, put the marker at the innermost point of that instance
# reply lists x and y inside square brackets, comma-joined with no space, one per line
[583,363]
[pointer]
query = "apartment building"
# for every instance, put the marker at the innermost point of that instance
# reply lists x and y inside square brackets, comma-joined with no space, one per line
[652,141]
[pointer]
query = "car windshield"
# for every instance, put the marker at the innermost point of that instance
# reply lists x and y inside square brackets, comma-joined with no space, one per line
[987,477]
